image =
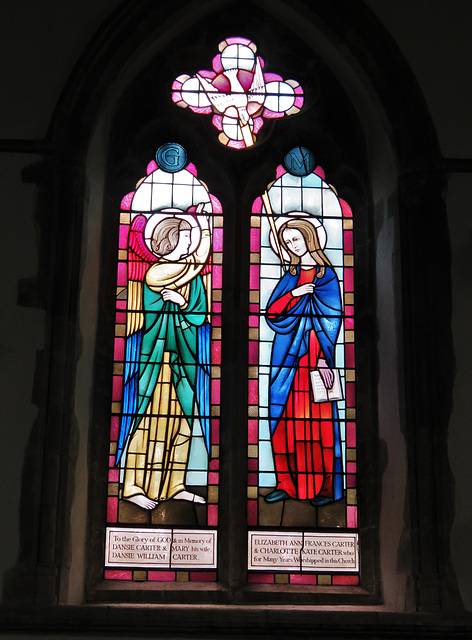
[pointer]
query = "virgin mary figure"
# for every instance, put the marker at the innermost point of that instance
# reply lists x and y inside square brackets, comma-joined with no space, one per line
[304,311]
[166,388]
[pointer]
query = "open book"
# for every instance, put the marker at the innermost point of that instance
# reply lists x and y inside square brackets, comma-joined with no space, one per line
[320,392]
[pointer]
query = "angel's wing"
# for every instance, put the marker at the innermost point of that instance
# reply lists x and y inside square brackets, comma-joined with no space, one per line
[221,101]
[139,256]
[257,88]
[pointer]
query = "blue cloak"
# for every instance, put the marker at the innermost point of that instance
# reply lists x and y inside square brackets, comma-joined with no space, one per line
[319,311]
[186,336]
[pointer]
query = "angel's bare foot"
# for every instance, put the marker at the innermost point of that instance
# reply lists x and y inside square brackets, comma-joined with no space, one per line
[190,497]
[143,502]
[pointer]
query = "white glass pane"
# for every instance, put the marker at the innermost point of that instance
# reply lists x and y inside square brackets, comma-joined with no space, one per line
[334,230]
[291,200]
[142,198]
[280,96]
[263,390]
[193,93]
[161,196]
[184,177]
[237,56]
[266,458]
[265,352]
[288,180]
[160,177]
[267,480]
[331,206]
[311,201]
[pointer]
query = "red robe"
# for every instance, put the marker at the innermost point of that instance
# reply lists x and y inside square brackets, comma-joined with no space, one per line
[303,441]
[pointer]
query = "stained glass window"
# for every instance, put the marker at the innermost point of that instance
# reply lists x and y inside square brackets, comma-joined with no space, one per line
[238,93]
[162,522]
[302,501]
[164,446]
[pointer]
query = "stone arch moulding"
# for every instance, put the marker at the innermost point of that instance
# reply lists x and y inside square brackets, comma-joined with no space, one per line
[376,77]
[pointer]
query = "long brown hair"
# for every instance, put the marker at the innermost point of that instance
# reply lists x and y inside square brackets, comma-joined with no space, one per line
[310,234]
[165,236]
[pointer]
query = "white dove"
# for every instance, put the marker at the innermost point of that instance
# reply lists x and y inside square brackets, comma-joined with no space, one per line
[237,98]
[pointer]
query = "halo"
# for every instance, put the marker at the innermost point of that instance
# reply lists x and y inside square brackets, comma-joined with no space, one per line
[321,231]
[153,221]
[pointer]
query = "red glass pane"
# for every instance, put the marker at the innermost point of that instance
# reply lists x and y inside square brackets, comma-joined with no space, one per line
[161,576]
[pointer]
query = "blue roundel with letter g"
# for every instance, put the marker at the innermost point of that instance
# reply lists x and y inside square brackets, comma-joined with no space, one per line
[171,157]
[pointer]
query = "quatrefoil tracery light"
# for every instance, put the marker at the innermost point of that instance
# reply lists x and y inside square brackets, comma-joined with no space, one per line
[239,94]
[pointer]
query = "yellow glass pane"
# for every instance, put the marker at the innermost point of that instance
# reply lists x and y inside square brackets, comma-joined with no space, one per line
[182,576]
[113,488]
[351,496]
[281,578]
[351,455]
[140,575]
[212,494]
[252,493]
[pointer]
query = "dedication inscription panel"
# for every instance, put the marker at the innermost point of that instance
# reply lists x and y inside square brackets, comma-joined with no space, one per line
[160,548]
[296,550]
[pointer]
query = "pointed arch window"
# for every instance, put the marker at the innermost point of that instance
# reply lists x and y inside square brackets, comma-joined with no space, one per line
[302,512]
[185,477]
[164,440]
